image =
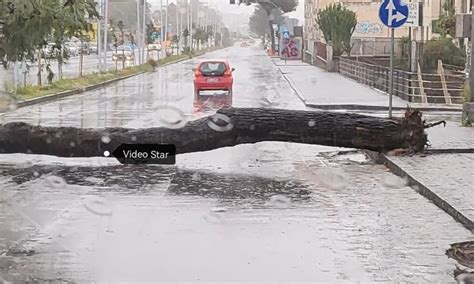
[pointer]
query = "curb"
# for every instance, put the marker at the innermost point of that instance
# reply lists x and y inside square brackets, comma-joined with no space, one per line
[76,91]
[377,108]
[381,158]
[292,86]
[68,93]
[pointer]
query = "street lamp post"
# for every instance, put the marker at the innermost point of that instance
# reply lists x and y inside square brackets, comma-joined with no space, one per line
[182,12]
[144,37]
[191,24]
[106,20]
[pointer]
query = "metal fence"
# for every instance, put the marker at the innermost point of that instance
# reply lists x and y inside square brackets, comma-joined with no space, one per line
[443,87]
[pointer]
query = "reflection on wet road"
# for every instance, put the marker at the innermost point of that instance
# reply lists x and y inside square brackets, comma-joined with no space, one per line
[135,102]
[259,212]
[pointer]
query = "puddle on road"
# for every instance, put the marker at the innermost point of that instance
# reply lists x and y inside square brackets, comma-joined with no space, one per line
[335,204]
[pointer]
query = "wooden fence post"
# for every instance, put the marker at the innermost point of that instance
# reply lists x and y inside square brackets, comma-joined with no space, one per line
[447,96]
[424,99]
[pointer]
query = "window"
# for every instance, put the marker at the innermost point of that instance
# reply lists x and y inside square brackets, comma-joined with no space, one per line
[212,68]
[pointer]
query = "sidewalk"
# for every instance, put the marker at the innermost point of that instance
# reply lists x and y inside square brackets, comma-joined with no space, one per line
[445,178]
[318,88]
[444,175]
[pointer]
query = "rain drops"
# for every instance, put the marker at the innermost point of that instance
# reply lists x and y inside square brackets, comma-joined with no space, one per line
[72,144]
[105,139]
[252,127]
[172,117]
[13,106]
[393,181]
[331,177]
[56,182]
[222,127]
[279,201]
[7,102]
[311,123]
[196,177]
[98,206]
[133,138]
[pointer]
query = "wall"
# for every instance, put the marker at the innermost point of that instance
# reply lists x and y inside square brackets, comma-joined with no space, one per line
[369,25]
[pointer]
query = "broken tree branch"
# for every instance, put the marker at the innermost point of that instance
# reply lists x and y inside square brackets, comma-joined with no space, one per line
[242,125]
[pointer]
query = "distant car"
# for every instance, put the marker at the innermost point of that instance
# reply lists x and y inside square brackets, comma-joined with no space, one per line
[154,46]
[93,48]
[71,49]
[124,53]
[213,83]
[244,44]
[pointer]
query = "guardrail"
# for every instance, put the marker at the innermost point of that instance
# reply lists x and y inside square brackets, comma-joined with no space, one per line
[442,87]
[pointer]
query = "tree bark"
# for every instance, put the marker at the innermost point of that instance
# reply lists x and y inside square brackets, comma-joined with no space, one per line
[247,125]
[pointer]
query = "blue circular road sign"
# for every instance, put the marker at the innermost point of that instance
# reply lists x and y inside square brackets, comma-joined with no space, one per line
[393,13]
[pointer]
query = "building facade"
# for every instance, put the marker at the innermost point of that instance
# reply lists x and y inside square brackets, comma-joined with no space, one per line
[370,36]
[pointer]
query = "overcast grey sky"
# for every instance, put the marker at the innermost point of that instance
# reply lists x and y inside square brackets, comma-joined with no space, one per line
[224,5]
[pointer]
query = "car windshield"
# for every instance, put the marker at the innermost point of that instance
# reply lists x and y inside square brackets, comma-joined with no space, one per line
[212,68]
[236,141]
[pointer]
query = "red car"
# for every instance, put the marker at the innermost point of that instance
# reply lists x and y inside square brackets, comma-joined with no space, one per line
[213,82]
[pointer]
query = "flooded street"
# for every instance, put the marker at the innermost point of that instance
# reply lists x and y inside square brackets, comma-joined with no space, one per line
[317,216]
[256,212]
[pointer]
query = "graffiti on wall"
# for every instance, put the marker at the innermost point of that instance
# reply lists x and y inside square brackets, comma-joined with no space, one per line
[291,48]
[367,27]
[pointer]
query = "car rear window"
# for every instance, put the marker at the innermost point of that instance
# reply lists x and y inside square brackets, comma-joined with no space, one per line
[212,68]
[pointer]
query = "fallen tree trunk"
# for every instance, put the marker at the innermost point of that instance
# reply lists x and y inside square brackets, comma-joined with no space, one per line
[244,125]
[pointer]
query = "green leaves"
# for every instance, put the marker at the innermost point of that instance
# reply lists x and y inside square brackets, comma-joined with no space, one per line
[29,23]
[443,49]
[337,24]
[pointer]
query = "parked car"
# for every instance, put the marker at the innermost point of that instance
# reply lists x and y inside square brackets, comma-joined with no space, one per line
[48,51]
[93,48]
[123,53]
[84,48]
[71,49]
[213,83]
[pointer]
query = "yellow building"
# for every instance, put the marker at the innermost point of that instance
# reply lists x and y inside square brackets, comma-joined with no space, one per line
[369,27]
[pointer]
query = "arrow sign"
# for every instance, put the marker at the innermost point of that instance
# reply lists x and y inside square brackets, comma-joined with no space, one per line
[163,154]
[393,13]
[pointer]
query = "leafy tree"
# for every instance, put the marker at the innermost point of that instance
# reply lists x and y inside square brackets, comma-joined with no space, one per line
[443,49]
[121,26]
[285,6]
[258,22]
[200,35]
[337,24]
[150,29]
[446,24]
[29,24]
[185,37]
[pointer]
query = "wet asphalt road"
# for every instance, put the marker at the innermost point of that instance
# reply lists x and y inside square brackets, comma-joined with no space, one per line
[260,212]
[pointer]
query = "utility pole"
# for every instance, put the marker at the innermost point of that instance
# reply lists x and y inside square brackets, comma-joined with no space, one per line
[144,35]
[162,36]
[468,107]
[99,38]
[138,42]
[106,20]
[176,32]
[166,21]
[471,73]
[191,23]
